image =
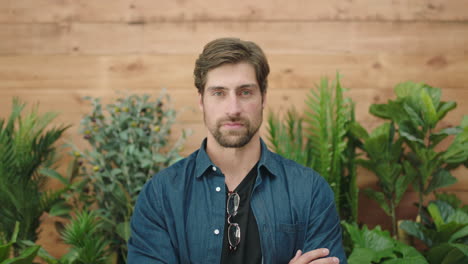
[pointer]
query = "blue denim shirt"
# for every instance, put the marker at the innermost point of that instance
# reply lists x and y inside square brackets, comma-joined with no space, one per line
[180,213]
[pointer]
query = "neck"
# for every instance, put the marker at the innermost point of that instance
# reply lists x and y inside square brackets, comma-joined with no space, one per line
[235,163]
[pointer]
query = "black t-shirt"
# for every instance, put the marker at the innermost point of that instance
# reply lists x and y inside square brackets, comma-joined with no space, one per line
[249,250]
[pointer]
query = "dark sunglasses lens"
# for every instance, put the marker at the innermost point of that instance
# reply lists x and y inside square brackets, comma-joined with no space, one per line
[234,235]
[233,203]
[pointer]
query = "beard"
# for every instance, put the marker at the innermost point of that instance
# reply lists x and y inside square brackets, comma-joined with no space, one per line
[235,138]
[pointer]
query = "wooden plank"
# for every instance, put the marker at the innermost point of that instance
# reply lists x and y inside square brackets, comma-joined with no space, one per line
[24,11]
[275,38]
[71,105]
[288,71]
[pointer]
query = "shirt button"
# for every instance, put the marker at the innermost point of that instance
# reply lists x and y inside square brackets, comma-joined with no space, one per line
[216,232]
[213,168]
[218,189]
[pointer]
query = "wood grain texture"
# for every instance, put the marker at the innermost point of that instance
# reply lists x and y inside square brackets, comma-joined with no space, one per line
[57,51]
[275,37]
[145,11]
[174,71]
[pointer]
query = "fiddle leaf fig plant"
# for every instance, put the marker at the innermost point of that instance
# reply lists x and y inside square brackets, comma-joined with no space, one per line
[385,159]
[417,112]
[377,246]
[445,233]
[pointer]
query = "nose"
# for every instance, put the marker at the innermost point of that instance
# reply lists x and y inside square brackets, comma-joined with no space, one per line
[234,106]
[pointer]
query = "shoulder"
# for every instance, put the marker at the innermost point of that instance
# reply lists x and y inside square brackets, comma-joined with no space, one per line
[299,177]
[175,174]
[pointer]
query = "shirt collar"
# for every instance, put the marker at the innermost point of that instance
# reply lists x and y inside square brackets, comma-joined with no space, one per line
[267,160]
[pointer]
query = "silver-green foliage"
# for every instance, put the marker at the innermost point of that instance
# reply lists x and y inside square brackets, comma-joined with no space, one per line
[319,139]
[26,146]
[130,142]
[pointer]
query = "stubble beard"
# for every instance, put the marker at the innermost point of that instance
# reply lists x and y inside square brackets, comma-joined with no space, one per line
[235,138]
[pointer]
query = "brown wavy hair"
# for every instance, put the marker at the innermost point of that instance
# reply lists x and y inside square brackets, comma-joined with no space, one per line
[231,50]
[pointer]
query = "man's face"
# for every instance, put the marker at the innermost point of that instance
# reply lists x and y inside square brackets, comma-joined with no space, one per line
[232,104]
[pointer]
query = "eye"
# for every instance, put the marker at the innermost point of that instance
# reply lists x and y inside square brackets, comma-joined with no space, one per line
[218,93]
[246,92]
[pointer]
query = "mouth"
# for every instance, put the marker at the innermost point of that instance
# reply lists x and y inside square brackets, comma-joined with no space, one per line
[233,124]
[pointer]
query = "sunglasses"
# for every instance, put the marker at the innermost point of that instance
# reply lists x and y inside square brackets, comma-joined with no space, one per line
[234,233]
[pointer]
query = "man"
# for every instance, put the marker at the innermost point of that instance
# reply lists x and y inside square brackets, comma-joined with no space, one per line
[232,200]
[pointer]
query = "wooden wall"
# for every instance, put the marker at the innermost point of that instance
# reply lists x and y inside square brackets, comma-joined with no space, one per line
[57,51]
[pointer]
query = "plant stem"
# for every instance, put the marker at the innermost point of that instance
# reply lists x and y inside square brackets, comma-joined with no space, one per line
[421,198]
[394,223]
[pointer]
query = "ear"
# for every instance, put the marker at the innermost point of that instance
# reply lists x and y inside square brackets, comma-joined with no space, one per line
[200,101]
[264,99]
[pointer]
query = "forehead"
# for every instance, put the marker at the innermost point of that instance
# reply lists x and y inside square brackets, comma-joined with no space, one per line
[231,74]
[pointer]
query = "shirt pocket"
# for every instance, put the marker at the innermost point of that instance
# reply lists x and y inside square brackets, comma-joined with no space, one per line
[289,238]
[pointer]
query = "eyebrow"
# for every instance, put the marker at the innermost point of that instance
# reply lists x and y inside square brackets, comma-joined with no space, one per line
[248,85]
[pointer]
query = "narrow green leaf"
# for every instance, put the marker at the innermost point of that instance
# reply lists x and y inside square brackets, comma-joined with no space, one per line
[379,197]
[53,174]
[26,256]
[436,216]
[60,209]
[5,251]
[444,108]
[429,111]
[462,233]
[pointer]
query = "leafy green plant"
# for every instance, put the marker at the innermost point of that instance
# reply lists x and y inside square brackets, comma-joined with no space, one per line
[417,111]
[27,255]
[385,159]
[88,243]
[377,246]
[130,142]
[444,231]
[320,139]
[26,147]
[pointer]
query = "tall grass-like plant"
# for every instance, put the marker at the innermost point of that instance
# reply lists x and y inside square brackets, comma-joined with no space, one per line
[27,145]
[319,138]
[130,142]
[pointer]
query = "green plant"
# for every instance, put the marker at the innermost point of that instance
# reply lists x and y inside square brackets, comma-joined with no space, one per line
[26,147]
[444,230]
[417,111]
[85,236]
[129,143]
[385,159]
[377,246]
[320,139]
[27,255]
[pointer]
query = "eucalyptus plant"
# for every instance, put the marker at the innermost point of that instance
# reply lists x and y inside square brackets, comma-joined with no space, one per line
[320,138]
[130,142]
[417,111]
[27,146]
